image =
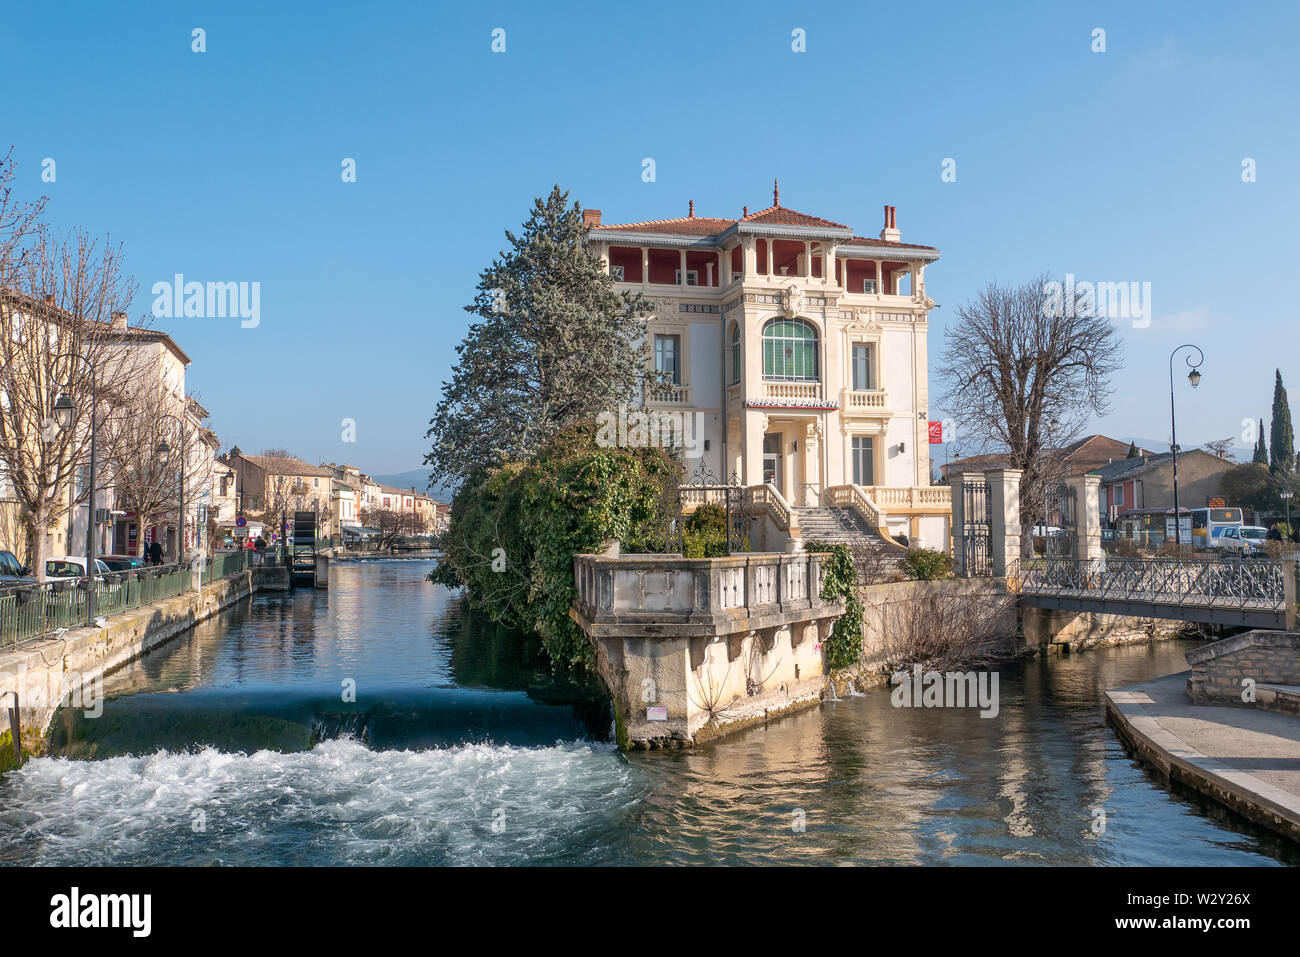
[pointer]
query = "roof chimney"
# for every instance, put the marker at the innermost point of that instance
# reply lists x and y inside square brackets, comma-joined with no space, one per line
[691,213]
[890,233]
[776,193]
[744,212]
[49,299]
[119,320]
[591,217]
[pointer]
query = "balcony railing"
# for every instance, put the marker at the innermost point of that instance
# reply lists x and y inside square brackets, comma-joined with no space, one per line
[918,497]
[792,390]
[864,399]
[671,395]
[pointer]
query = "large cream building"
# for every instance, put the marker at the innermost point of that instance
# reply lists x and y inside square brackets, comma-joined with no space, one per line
[803,348]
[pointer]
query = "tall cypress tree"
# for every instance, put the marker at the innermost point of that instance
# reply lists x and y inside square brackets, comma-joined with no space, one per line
[1281,437]
[1261,447]
[1132,451]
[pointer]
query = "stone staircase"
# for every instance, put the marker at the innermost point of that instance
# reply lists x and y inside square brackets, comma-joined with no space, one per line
[829,524]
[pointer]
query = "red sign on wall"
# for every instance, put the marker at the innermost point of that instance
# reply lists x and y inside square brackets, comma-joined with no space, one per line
[936,433]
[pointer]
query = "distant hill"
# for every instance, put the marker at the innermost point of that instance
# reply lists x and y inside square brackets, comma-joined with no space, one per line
[417,477]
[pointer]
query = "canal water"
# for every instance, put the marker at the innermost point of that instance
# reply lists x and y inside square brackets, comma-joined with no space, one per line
[380,722]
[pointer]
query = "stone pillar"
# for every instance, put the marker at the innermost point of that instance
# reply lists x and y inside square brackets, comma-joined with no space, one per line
[1087,516]
[1004,529]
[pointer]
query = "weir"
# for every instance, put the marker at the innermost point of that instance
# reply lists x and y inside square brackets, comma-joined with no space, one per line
[692,648]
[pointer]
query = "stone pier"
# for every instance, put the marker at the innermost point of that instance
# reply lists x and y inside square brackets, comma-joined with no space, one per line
[693,648]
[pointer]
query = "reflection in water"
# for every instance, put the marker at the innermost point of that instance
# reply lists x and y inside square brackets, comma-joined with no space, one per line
[457,724]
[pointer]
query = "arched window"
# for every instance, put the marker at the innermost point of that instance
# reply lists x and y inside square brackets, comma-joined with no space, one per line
[789,350]
[735,353]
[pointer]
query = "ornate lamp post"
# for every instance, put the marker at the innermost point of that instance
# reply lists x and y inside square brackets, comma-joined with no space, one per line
[1286,494]
[65,416]
[1194,377]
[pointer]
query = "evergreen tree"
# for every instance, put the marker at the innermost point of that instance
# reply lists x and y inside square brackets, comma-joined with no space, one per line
[1281,437]
[554,342]
[1133,452]
[1261,447]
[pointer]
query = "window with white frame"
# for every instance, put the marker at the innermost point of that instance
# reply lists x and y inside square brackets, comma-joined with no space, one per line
[862,377]
[692,277]
[668,357]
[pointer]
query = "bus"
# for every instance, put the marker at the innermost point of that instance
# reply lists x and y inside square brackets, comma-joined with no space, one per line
[1206,520]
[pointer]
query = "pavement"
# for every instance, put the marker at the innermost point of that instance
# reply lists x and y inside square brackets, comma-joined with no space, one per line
[1246,759]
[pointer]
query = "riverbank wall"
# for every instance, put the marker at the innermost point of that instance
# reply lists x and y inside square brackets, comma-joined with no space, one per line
[1050,630]
[907,621]
[71,668]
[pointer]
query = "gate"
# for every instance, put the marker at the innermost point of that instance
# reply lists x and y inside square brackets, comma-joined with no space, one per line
[977,518]
[704,488]
[1060,531]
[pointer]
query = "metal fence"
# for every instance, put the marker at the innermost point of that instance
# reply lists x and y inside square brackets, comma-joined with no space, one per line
[34,611]
[1247,584]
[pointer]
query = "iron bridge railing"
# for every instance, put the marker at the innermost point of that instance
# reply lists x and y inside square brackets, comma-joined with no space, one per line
[1245,584]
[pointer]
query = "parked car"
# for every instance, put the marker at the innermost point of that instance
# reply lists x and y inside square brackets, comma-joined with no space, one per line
[12,571]
[73,566]
[122,563]
[1240,540]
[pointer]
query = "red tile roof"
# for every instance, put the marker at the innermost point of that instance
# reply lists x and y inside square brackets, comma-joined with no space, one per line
[773,215]
[686,226]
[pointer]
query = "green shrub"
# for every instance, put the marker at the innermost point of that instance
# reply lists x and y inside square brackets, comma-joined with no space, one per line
[705,543]
[515,529]
[840,582]
[925,564]
[710,517]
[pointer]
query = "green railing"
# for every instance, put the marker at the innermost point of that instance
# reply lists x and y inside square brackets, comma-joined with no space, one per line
[226,564]
[34,611]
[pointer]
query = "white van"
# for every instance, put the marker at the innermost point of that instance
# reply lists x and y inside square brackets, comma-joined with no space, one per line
[73,566]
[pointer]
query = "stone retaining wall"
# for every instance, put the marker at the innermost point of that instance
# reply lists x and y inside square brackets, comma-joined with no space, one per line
[1264,657]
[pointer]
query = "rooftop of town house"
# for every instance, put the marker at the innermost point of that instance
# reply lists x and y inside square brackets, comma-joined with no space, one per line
[116,329]
[1088,454]
[713,227]
[286,465]
[1121,470]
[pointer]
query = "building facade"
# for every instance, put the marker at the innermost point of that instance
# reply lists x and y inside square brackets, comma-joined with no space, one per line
[797,352]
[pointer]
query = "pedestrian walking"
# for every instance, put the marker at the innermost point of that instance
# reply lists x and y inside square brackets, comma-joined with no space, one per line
[155,553]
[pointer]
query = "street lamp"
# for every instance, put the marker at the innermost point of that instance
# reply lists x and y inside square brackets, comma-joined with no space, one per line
[64,416]
[1286,494]
[1194,377]
[163,450]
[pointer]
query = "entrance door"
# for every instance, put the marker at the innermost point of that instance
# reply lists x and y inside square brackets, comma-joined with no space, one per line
[772,460]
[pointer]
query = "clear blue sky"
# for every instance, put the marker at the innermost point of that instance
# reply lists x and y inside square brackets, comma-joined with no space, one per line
[1118,166]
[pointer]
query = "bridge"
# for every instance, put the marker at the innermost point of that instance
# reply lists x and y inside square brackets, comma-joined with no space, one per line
[1246,593]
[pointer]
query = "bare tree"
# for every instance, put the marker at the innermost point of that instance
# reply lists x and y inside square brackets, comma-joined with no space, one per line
[391,524]
[60,294]
[1023,370]
[1222,447]
[153,443]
